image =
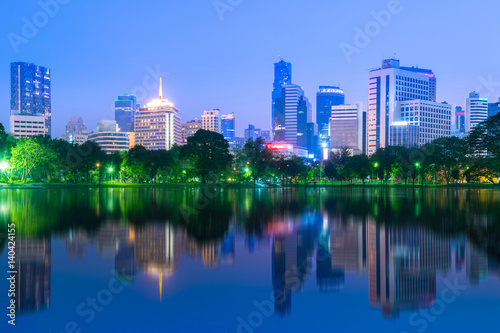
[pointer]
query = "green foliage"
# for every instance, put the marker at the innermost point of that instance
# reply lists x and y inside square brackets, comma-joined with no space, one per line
[29,155]
[209,153]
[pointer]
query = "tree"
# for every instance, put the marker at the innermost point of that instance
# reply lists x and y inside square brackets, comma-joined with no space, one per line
[258,157]
[137,163]
[486,136]
[28,155]
[360,166]
[208,152]
[330,170]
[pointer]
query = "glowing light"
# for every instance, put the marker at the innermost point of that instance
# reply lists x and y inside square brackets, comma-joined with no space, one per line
[98,165]
[4,166]
[110,170]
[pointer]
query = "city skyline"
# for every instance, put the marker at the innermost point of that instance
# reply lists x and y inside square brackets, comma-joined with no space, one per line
[458,75]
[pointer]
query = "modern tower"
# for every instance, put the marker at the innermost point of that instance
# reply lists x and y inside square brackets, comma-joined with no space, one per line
[125,108]
[228,127]
[211,121]
[459,128]
[493,109]
[30,92]
[345,131]
[158,125]
[76,131]
[282,77]
[476,111]
[388,87]
[298,113]
[326,97]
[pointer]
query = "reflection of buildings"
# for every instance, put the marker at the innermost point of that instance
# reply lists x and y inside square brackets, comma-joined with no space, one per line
[292,259]
[33,263]
[402,267]
[460,256]
[157,249]
[476,265]
[76,244]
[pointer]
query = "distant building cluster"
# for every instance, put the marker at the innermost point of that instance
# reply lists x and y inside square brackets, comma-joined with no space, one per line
[402,110]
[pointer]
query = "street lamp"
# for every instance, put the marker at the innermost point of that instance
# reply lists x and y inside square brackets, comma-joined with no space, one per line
[98,165]
[4,166]
[110,169]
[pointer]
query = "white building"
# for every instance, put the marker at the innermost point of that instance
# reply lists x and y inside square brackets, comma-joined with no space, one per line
[108,137]
[22,126]
[158,125]
[476,111]
[346,127]
[76,131]
[211,121]
[298,113]
[388,86]
[433,119]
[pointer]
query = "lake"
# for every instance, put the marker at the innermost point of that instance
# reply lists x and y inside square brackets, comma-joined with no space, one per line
[253,260]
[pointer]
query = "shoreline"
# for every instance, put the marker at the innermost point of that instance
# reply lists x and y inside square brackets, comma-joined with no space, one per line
[245,186]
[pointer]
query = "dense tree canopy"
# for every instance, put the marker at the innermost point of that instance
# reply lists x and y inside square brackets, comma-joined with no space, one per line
[206,158]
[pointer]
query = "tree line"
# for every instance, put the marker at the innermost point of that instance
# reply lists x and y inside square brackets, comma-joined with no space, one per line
[206,158]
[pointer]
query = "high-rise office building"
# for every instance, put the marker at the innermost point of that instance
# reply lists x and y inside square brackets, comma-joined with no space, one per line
[346,127]
[158,125]
[405,135]
[25,126]
[125,108]
[388,87]
[108,137]
[252,133]
[326,97]
[298,113]
[282,77]
[476,111]
[211,121]
[76,131]
[30,92]
[493,109]
[459,126]
[228,127]
[189,129]
[433,119]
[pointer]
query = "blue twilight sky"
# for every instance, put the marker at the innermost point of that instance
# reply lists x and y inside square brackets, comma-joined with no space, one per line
[224,58]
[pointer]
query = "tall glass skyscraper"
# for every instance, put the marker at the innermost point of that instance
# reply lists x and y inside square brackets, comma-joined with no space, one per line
[282,77]
[327,97]
[228,126]
[125,108]
[30,92]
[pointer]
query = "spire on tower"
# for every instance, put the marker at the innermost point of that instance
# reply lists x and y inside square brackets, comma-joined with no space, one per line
[161,90]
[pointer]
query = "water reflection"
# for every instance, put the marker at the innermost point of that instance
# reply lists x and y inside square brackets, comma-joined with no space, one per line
[402,241]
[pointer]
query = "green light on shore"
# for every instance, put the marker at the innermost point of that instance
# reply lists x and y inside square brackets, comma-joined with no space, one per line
[110,170]
[376,165]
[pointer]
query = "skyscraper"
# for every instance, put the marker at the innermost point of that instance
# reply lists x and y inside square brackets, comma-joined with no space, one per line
[30,92]
[211,121]
[76,131]
[433,119]
[189,129]
[345,127]
[326,97]
[158,125]
[228,127]
[125,108]
[282,77]
[476,111]
[298,113]
[388,87]
[459,128]
[493,109]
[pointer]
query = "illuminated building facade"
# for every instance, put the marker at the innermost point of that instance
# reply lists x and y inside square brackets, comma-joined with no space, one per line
[158,125]
[108,137]
[211,121]
[31,92]
[282,77]
[326,97]
[189,129]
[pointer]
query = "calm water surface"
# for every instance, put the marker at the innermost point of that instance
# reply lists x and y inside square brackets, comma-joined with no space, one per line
[264,260]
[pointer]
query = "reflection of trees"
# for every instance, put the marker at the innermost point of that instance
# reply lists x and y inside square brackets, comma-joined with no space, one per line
[206,212]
